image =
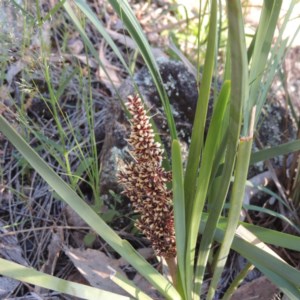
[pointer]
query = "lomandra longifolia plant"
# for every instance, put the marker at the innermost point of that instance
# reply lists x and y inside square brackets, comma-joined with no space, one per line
[215,171]
[144,181]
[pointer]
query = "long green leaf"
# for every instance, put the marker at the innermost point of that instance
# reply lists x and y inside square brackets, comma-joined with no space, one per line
[217,206]
[211,147]
[273,260]
[201,112]
[237,281]
[87,213]
[282,274]
[272,213]
[179,210]
[31,276]
[263,41]
[274,63]
[128,286]
[283,149]
[196,149]
[239,94]
[236,202]
[268,236]
[276,238]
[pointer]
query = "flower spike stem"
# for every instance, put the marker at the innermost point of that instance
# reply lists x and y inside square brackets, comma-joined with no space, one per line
[172,264]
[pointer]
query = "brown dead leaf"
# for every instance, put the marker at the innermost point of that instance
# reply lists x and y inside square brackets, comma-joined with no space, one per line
[7,285]
[9,247]
[41,37]
[14,70]
[4,93]
[110,78]
[145,286]
[54,249]
[6,195]
[147,253]
[75,46]
[260,288]
[96,268]
[73,219]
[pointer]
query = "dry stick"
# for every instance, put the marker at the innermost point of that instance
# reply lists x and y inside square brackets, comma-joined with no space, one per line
[44,228]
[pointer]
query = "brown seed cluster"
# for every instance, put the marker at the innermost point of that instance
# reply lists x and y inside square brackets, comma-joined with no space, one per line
[144,181]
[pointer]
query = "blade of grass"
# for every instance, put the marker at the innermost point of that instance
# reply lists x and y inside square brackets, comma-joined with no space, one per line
[196,145]
[237,281]
[25,13]
[274,214]
[182,57]
[283,149]
[283,78]
[274,63]
[87,213]
[83,6]
[145,51]
[53,10]
[274,262]
[25,274]
[203,12]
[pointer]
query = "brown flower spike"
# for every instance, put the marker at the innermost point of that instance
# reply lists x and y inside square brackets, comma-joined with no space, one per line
[144,181]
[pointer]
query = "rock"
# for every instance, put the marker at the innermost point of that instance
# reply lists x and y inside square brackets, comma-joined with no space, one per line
[114,149]
[181,88]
